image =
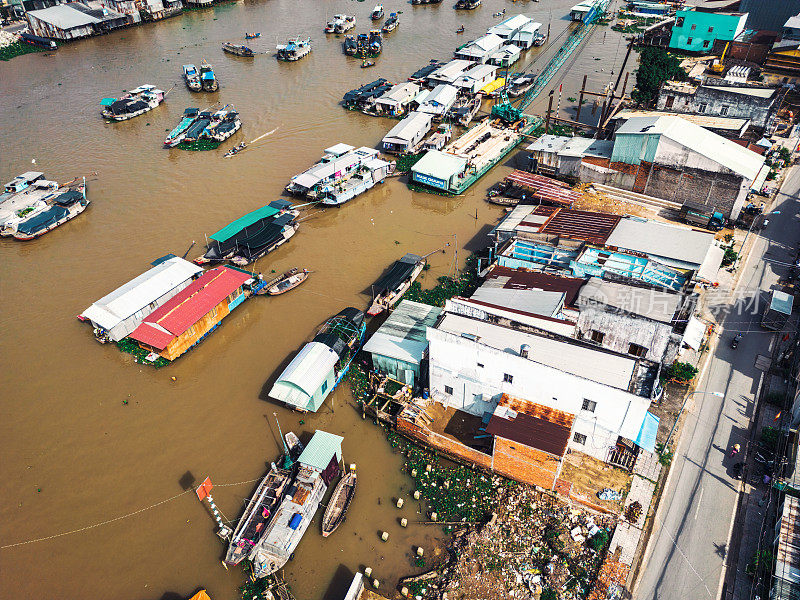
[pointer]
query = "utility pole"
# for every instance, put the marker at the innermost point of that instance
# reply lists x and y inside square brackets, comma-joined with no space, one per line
[580,98]
[549,109]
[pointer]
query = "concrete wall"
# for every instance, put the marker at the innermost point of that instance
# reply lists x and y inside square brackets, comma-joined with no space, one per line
[454,363]
[622,330]
[720,103]
[696,31]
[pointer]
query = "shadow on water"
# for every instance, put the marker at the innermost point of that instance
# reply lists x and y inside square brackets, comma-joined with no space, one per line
[339,584]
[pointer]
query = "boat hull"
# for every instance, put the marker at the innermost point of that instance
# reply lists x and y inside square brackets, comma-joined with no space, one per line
[287,234]
[339,502]
[68,217]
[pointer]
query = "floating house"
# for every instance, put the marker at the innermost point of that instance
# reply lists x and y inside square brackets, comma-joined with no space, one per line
[528,36]
[505,56]
[510,26]
[479,50]
[322,363]
[439,170]
[477,77]
[338,163]
[399,345]
[194,312]
[407,135]
[448,73]
[438,101]
[117,314]
[74,20]
[396,100]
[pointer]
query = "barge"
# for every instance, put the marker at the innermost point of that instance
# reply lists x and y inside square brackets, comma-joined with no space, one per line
[192,77]
[237,49]
[208,79]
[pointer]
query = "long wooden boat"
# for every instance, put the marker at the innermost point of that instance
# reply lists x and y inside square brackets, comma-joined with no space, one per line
[339,503]
[237,49]
[502,200]
[286,282]
[387,291]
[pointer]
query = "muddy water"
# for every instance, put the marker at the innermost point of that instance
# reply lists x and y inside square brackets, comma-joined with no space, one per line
[86,435]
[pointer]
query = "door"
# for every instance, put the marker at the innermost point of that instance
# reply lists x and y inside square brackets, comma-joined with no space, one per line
[670,102]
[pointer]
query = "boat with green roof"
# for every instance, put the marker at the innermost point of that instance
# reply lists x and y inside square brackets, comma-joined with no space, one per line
[252,236]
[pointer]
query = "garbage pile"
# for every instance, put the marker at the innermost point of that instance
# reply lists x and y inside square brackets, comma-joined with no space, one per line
[515,542]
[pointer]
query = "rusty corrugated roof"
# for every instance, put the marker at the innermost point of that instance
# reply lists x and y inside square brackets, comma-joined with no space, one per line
[583,225]
[519,279]
[541,427]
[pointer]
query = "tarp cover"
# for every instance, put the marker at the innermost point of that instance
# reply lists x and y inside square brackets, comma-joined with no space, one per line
[68,198]
[396,274]
[43,220]
[244,222]
[646,440]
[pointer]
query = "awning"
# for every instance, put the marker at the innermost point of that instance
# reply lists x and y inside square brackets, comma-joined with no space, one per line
[646,440]
[761,179]
[711,263]
[694,334]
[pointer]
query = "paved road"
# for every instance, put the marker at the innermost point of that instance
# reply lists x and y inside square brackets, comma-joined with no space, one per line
[688,547]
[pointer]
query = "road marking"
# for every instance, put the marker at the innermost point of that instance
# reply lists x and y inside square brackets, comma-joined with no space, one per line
[697,508]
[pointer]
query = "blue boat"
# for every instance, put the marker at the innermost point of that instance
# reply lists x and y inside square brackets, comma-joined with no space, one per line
[192,78]
[207,78]
[176,136]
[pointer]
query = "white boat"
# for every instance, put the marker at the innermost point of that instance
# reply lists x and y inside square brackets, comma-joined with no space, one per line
[33,199]
[64,207]
[136,102]
[340,24]
[377,12]
[192,77]
[294,49]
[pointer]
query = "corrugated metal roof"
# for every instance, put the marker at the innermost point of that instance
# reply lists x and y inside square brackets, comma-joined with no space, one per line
[710,268]
[781,302]
[450,71]
[233,228]
[483,44]
[549,143]
[582,225]
[655,305]
[407,129]
[714,147]
[536,302]
[509,25]
[708,121]
[536,426]
[321,449]
[403,335]
[306,373]
[130,298]
[602,367]
[400,93]
[671,243]
[535,280]
[440,165]
[478,72]
[189,305]
[744,91]
[63,17]
[443,94]
[580,146]
[545,188]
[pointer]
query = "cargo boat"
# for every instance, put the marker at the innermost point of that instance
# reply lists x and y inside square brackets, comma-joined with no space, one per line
[237,49]
[65,207]
[294,49]
[136,102]
[391,286]
[177,135]
[208,79]
[192,77]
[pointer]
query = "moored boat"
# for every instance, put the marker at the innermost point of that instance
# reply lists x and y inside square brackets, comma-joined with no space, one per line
[224,123]
[237,49]
[285,282]
[251,36]
[391,23]
[207,78]
[375,42]
[177,135]
[468,4]
[39,42]
[340,24]
[192,77]
[136,102]
[339,502]
[294,49]
[65,207]
[294,445]
[350,45]
[391,286]
[197,128]
[25,196]
[377,12]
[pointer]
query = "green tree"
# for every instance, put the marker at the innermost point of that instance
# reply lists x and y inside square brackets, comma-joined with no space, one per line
[656,66]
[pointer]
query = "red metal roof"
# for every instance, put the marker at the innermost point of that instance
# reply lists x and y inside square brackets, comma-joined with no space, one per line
[583,225]
[520,279]
[536,426]
[544,188]
[188,306]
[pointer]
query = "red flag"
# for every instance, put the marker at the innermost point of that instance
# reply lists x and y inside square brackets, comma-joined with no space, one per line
[205,489]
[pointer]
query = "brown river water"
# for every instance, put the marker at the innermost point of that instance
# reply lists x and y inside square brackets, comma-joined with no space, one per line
[75,458]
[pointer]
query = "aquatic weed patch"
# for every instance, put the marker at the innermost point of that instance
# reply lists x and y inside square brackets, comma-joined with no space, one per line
[199,145]
[18,49]
[447,287]
[129,346]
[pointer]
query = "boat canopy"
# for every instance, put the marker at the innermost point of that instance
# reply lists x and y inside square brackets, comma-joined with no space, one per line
[323,448]
[42,221]
[239,224]
[303,376]
[396,274]
[68,198]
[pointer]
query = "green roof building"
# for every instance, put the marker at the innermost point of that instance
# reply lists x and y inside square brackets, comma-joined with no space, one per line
[696,30]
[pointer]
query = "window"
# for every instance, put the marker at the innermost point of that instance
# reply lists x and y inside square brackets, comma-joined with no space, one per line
[694,26]
[637,350]
[724,110]
[679,22]
[597,336]
[190,331]
[710,30]
[670,102]
[448,390]
[213,312]
[579,438]
[508,378]
[702,107]
[480,365]
[589,405]
[324,386]
[689,41]
[706,43]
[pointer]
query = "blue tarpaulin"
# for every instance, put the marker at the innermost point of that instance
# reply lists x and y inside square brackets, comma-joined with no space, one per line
[646,440]
[294,522]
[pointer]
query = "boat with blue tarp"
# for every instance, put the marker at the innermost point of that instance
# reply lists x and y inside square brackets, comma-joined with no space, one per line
[208,80]
[136,102]
[192,77]
[177,135]
[294,49]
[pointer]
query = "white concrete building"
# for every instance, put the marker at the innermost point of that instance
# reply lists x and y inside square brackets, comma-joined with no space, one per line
[481,49]
[448,73]
[476,78]
[473,363]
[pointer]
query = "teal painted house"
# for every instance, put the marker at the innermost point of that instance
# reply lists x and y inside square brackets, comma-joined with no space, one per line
[696,30]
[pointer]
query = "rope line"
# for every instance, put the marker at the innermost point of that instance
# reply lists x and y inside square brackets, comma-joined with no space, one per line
[119,518]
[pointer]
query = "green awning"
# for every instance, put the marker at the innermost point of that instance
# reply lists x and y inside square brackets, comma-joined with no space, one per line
[242,222]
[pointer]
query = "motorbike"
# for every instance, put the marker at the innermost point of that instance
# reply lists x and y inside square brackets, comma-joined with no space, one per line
[736,470]
[735,341]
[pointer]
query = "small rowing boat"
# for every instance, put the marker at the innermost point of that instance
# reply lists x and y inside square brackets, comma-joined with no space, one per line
[339,502]
[250,36]
[235,150]
[286,282]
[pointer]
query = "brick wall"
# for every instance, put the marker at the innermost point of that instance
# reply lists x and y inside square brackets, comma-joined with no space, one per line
[444,444]
[524,463]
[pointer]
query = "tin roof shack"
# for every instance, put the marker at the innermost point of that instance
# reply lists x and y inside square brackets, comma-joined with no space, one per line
[553,224]
[439,170]
[786,576]
[508,27]
[476,78]
[769,15]
[638,320]
[399,345]
[695,30]
[670,158]
[117,314]
[194,312]
[757,103]
[396,101]
[729,127]
[473,363]
[544,151]
[581,154]
[408,134]
[481,49]
[62,22]
[778,311]
[448,73]
[438,101]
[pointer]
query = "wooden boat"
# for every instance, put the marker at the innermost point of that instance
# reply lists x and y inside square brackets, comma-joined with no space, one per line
[294,444]
[460,29]
[388,290]
[250,36]
[192,77]
[285,283]
[136,102]
[367,63]
[502,200]
[237,49]
[377,12]
[339,503]
[64,207]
